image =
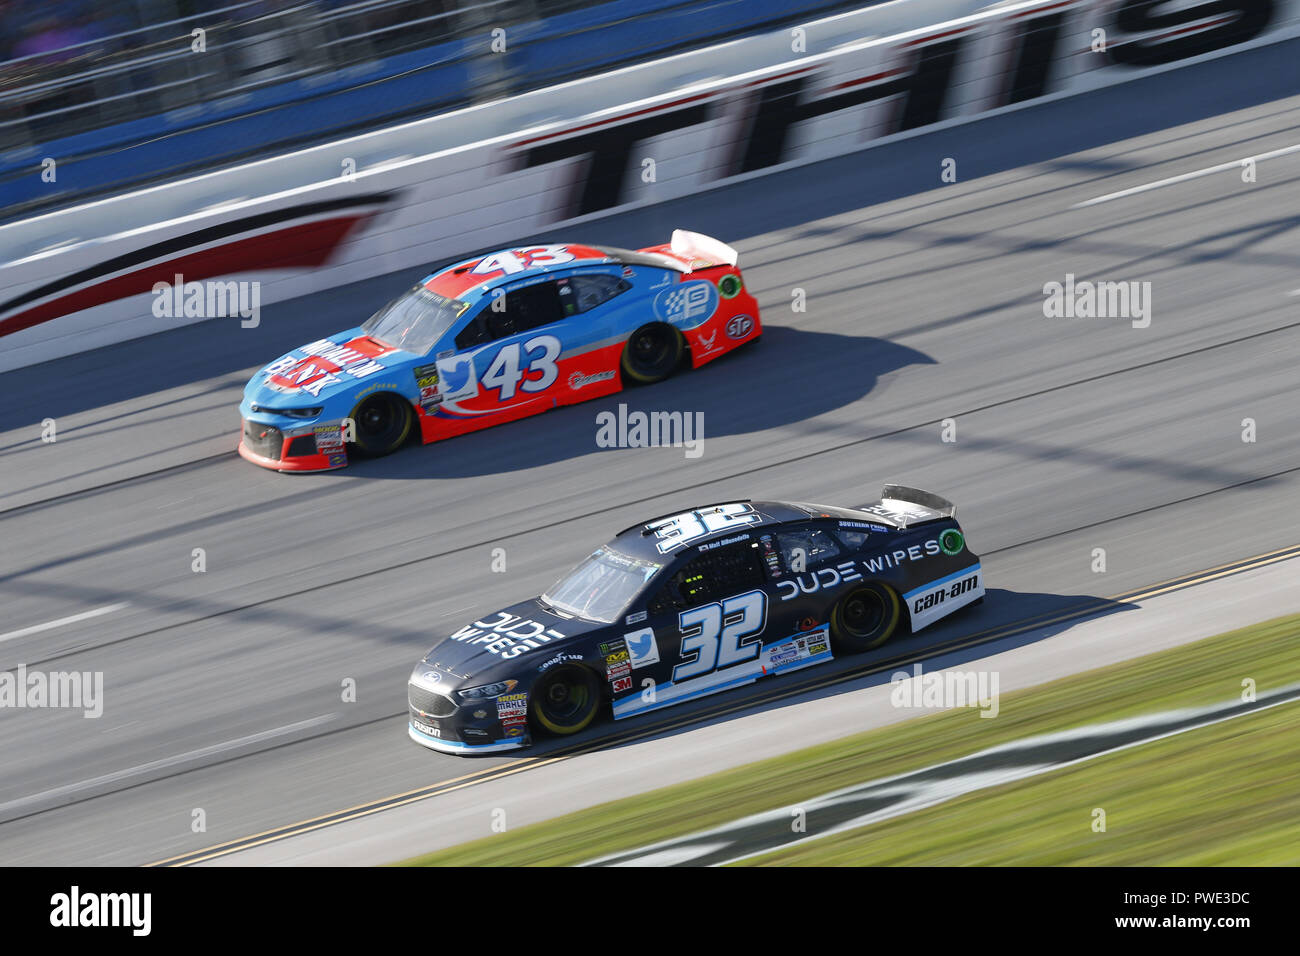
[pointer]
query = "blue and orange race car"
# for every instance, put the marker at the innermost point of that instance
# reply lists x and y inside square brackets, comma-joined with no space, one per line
[495,339]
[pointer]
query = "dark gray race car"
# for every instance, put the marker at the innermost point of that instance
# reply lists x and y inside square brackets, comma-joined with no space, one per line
[690,604]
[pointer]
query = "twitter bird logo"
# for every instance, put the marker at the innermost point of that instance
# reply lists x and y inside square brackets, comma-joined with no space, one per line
[641,647]
[457,377]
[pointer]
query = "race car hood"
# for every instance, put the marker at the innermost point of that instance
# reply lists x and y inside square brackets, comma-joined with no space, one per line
[313,374]
[499,644]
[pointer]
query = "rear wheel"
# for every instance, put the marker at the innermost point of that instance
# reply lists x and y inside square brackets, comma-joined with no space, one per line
[652,353]
[564,699]
[865,618]
[383,422]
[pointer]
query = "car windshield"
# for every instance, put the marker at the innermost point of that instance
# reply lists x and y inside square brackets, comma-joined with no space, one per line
[602,587]
[414,321]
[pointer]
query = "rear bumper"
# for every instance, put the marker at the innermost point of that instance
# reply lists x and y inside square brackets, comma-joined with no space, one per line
[736,323]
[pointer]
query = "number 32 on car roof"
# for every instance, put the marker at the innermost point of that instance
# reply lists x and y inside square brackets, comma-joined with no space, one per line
[680,529]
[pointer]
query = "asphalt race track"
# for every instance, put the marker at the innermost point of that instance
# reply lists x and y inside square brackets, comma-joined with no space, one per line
[800,716]
[223,689]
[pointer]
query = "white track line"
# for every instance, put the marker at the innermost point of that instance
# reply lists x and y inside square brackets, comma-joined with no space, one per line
[1207,171]
[50,625]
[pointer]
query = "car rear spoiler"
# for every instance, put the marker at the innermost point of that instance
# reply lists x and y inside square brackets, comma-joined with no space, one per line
[693,245]
[902,506]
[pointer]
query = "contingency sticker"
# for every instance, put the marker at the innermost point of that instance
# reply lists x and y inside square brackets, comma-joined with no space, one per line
[426,380]
[512,705]
[799,651]
[329,438]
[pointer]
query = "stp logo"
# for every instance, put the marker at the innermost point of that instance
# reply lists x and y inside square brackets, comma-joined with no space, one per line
[739,327]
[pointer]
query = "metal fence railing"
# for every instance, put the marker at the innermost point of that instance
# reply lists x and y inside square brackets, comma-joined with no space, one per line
[180,94]
[244,47]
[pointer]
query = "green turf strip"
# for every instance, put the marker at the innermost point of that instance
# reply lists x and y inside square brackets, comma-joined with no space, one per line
[1221,795]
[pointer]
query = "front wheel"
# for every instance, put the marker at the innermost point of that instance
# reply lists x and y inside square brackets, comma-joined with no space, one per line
[652,353]
[565,698]
[383,422]
[865,618]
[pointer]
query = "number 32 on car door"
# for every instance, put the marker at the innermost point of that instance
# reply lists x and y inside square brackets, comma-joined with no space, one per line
[720,634]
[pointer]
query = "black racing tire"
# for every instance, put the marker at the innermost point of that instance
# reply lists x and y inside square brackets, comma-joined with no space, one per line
[865,618]
[652,353]
[564,700]
[383,423]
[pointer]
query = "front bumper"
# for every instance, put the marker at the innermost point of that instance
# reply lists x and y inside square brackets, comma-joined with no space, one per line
[463,748]
[292,450]
[437,721]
